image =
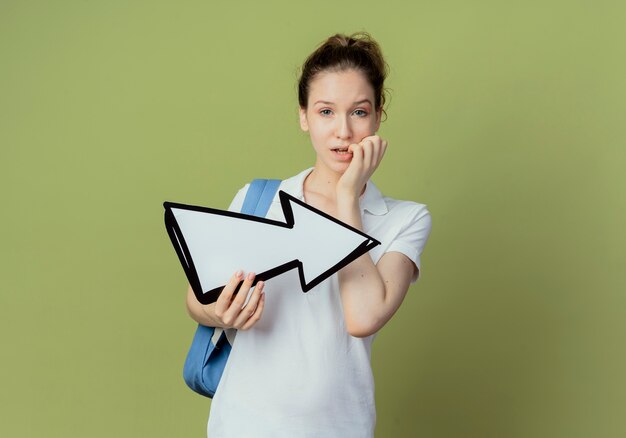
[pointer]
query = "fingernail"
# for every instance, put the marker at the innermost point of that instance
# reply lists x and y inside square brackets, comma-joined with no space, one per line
[260,285]
[251,276]
[239,273]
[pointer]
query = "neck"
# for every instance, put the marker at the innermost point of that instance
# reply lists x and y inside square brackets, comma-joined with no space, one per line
[323,180]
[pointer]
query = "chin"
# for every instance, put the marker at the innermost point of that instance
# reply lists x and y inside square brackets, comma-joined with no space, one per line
[336,166]
[340,167]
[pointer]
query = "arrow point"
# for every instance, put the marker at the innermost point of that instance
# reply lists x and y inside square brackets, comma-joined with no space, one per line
[323,241]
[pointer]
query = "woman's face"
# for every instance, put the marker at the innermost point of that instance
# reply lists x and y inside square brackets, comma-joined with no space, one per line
[340,112]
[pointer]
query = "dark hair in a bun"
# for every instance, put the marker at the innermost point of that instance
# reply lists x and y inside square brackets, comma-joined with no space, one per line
[340,52]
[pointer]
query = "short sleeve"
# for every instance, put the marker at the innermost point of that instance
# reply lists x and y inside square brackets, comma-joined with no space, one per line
[413,235]
[237,202]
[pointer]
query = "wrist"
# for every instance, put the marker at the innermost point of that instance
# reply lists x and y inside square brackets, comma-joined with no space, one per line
[212,320]
[347,198]
[349,210]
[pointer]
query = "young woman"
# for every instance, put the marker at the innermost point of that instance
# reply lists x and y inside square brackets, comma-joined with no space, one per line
[300,365]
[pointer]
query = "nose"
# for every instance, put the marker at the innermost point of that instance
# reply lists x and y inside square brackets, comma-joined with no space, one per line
[343,128]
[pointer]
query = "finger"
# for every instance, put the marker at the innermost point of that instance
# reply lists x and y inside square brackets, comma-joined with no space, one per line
[373,138]
[251,306]
[242,294]
[357,153]
[378,152]
[224,299]
[257,313]
[381,153]
[248,310]
[237,303]
[368,152]
[380,149]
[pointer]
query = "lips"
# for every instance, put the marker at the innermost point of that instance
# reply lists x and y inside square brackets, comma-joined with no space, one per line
[341,154]
[341,150]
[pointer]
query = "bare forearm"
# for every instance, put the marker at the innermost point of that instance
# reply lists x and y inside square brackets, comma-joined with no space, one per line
[200,313]
[363,293]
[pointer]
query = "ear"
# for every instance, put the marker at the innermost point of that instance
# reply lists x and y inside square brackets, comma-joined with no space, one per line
[304,124]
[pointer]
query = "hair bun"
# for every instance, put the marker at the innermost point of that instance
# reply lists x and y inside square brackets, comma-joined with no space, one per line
[342,52]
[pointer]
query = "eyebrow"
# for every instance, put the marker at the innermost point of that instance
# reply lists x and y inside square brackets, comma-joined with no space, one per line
[325,102]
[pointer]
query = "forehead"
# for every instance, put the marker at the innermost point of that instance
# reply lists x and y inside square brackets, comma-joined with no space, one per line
[340,86]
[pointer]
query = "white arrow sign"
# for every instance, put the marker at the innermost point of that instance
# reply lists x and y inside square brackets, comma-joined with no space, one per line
[212,244]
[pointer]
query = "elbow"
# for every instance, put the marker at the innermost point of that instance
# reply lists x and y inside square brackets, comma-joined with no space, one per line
[189,304]
[193,306]
[363,329]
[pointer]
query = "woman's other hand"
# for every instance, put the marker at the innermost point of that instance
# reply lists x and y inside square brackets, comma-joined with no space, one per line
[235,312]
[230,310]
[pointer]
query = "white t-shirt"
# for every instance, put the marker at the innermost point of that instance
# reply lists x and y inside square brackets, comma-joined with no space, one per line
[297,372]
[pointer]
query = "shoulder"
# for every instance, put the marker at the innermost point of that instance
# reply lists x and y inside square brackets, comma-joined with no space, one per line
[407,213]
[237,202]
[406,229]
[289,185]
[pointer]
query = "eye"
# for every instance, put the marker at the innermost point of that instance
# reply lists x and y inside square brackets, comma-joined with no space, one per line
[360,112]
[326,112]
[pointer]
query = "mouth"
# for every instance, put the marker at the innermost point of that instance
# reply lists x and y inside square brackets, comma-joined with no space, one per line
[342,151]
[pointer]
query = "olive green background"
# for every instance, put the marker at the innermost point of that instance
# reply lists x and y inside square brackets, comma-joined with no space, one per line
[505,118]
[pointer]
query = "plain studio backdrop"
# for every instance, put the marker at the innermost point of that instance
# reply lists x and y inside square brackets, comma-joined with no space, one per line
[505,118]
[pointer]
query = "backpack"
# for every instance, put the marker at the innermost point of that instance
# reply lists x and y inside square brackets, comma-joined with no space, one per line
[211,347]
